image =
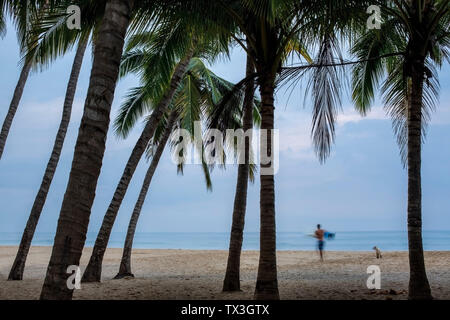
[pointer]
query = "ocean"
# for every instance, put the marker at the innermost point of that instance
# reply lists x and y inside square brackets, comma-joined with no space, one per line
[344,241]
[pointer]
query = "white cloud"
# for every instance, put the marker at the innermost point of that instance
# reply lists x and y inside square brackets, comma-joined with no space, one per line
[35,125]
[440,117]
[45,115]
[295,129]
[352,116]
[295,137]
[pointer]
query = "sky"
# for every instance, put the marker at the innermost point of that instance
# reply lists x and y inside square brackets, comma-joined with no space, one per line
[361,187]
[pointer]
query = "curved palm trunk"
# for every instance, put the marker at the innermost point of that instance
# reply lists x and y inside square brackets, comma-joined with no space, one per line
[94,268]
[18,91]
[125,263]
[232,275]
[17,269]
[267,283]
[419,288]
[89,150]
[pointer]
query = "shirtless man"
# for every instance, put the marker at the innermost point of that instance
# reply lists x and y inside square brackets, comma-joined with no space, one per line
[320,241]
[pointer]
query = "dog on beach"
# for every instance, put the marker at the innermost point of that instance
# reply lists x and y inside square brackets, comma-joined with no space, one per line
[377,252]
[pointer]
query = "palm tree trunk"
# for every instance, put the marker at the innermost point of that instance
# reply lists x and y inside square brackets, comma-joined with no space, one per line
[94,268]
[89,150]
[18,91]
[232,275]
[17,269]
[125,263]
[419,288]
[267,283]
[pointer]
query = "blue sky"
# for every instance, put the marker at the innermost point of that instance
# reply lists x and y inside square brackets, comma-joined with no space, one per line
[362,186]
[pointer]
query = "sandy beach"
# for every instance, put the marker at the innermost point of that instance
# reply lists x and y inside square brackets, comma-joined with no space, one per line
[198,274]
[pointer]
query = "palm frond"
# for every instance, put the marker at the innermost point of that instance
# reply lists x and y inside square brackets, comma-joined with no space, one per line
[367,73]
[325,86]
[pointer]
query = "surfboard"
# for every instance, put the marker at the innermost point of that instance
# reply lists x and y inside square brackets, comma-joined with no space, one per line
[329,235]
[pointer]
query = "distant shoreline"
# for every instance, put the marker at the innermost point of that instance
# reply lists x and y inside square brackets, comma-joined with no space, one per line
[286,241]
[224,250]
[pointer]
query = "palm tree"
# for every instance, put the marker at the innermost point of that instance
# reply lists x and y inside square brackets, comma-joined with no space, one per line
[271,29]
[89,149]
[245,172]
[262,48]
[54,40]
[125,263]
[93,269]
[23,14]
[93,130]
[18,267]
[198,93]
[232,275]
[417,31]
[90,146]
[18,91]
[163,47]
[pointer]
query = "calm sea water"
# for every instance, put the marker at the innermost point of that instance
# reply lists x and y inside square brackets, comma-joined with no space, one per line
[357,241]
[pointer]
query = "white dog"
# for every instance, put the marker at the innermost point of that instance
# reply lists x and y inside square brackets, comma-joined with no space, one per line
[377,252]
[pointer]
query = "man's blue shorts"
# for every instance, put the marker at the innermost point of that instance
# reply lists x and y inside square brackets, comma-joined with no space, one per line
[320,244]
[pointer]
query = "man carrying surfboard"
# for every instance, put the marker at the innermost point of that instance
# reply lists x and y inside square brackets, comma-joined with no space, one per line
[319,235]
